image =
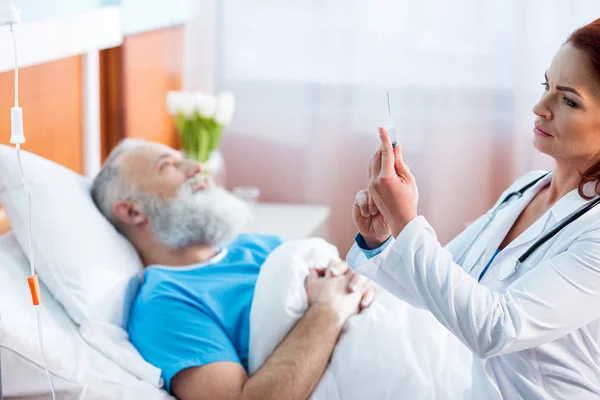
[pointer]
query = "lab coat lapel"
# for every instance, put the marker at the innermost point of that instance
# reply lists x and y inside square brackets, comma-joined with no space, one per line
[488,242]
[506,220]
[495,233]
[571,202]
[475,253]
[532,233]
[568,204]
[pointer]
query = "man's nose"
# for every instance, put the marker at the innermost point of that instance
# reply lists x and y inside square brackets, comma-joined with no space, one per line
[193,169]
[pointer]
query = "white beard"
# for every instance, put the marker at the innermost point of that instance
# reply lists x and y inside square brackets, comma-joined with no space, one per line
[209,217]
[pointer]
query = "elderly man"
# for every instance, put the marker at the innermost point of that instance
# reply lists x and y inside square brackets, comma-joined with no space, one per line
[191,316]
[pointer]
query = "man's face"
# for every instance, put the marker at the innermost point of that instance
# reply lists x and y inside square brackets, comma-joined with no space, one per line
[158,170]
[175,201]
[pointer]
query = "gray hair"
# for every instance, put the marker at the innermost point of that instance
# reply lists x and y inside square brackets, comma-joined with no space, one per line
[109,186]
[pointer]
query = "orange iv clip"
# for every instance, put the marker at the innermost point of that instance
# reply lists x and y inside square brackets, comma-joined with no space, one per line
[34,288]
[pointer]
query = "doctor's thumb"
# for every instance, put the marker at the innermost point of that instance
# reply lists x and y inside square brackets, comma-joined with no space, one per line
[399,164]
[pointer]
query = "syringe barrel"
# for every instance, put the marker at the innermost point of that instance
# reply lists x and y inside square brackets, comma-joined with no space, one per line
[392,132]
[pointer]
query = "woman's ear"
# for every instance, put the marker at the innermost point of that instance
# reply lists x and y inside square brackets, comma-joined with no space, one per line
[129,213]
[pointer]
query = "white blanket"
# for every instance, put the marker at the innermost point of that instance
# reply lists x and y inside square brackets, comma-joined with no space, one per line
[389,351]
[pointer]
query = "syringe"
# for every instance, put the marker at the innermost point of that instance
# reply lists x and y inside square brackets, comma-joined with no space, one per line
[391,127]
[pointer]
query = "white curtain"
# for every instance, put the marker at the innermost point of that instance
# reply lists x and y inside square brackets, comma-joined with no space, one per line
[311,79]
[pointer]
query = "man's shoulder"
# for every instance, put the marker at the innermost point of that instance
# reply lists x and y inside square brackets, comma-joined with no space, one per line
[159,288]
[257,241]
[162,288]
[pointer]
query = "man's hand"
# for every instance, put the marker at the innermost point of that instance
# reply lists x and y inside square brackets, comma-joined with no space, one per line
[369,221]
[345,293]
[339,268]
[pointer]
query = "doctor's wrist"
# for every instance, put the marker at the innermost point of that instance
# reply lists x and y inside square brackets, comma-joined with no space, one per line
[375,242]
[399,225]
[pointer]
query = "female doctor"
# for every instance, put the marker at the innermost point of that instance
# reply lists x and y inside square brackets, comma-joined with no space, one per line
[521,286]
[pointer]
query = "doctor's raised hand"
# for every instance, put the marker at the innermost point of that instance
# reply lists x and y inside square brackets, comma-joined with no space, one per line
[392,187]
[369,221]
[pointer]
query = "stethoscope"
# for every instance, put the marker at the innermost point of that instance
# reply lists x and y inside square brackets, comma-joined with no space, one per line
[511,264]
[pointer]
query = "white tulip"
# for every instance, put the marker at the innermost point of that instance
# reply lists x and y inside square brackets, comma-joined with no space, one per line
[205,104]
[181,103]
[174,102]
[225,108]
[188,105]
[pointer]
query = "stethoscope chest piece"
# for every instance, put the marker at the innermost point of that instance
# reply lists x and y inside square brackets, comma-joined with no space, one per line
[507,268]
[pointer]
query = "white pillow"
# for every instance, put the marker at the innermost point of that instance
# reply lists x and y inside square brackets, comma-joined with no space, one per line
[77,369]
[91,269]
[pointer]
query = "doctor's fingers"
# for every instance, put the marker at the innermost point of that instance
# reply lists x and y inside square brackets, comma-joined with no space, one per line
[362,202]
[373,210]
[375,165]
[399,165]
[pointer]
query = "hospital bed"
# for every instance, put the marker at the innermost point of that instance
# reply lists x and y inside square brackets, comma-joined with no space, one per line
[81,261]
[79,371]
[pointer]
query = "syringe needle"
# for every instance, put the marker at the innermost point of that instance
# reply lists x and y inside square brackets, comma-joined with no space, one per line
[391,128]
[388,98]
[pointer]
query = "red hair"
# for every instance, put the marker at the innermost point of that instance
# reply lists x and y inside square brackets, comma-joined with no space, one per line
[587,40]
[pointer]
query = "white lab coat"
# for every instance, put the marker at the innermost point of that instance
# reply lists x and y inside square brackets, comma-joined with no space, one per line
[535,335]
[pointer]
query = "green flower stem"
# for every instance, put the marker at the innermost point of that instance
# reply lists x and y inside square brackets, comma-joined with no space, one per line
[200,136]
